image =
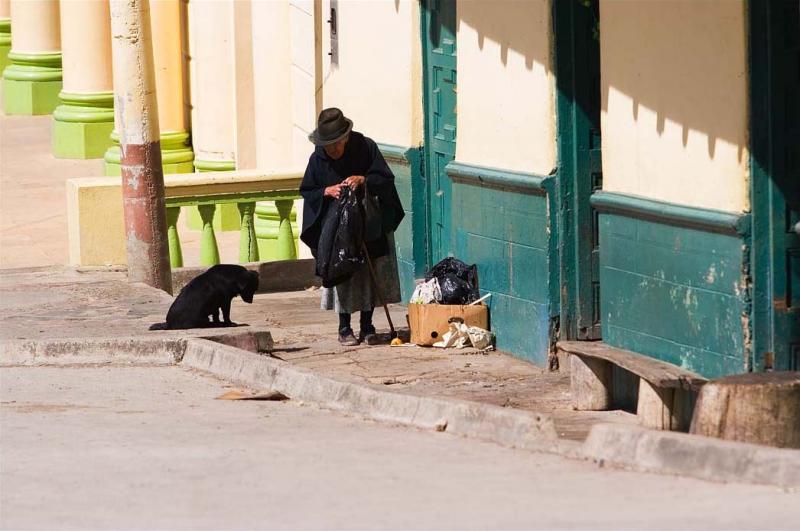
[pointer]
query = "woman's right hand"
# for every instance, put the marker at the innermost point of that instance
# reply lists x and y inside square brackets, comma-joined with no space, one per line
[333,191]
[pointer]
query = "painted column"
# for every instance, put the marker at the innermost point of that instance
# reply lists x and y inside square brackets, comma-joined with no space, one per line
[169,34]
[142,175]
[82,124]
[5,33]
[32,81]
[212,49]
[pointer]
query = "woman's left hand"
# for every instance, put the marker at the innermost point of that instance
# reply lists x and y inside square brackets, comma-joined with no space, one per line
[354,181]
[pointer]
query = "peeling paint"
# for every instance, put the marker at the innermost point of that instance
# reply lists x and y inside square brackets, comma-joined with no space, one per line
[711,276]
[745,291]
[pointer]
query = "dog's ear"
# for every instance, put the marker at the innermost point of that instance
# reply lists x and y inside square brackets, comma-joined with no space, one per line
[248,285]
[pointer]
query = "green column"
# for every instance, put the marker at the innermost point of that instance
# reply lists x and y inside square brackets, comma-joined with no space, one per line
[31,83]
[82,125]
[209,253]
[248,248]
[175,252]
[227,216]
[267,223]
[286,245]
[176,153]
[5,43]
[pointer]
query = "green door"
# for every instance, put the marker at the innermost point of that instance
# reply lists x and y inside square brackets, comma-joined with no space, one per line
[439,58]
[577,48]
[776,173]
[786,188]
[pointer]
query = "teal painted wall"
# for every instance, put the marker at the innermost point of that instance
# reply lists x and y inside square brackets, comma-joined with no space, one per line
[675,291]
[405,163]
[503,229]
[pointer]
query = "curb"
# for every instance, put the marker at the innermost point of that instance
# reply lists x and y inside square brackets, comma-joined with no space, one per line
[232,356]
[161,348]
[674,453]
[508,427]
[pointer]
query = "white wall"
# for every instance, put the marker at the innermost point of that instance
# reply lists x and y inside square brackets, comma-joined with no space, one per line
[674,120]
[377,80]
[506,102]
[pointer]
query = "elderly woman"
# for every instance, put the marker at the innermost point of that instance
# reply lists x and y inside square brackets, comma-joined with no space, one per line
[344,157]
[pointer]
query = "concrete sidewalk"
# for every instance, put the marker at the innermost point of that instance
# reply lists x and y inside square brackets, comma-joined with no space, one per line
[33,201]
[60,303]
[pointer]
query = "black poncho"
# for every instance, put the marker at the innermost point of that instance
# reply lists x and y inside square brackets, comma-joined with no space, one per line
[361,157]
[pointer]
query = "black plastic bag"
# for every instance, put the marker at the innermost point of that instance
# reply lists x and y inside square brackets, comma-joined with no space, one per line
[457,280]
[467,273]
[455,290]
[341,249]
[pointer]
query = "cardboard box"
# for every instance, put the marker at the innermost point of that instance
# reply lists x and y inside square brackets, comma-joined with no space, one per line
[429,322]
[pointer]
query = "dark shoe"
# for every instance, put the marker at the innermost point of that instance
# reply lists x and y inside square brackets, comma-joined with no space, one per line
[348,339]
[368,336]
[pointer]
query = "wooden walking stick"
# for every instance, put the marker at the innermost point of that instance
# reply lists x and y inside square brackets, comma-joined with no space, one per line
[378,290]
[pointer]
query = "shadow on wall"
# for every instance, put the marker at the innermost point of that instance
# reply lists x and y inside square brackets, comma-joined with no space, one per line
[509,24]
[684,61]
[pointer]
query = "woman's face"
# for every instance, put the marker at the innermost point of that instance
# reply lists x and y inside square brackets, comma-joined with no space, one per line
[336,150]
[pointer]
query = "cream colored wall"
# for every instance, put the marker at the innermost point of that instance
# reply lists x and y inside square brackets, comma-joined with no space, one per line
[302,53]
[5,8]
[86,43]
[377,81]
[674,79]
[213,79]
[36,26]
[506,103]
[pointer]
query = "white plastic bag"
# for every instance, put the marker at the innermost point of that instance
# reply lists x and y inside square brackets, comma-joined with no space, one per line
[456,337]
[426,292]
[461,335]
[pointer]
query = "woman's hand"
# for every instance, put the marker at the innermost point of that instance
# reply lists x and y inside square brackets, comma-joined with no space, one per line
[354,181]
[334,191]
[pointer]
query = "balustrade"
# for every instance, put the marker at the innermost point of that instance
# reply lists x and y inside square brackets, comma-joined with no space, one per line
[238,188]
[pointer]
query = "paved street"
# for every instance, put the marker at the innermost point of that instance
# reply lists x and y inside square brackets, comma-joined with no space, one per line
[150,448]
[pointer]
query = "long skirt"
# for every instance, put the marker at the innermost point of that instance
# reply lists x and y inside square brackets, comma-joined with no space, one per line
[356,293]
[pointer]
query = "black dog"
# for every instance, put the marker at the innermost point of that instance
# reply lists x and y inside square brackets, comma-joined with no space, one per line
[208,293]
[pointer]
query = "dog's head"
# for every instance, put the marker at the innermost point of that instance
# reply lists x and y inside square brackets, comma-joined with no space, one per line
[248,284]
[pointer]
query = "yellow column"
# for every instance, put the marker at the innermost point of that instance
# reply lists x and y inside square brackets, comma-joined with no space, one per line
[32,81]
[82,124]
[168,23]
[5,33]
[212,49]
[213,85]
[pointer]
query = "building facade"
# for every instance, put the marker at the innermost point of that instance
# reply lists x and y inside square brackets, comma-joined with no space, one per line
[622,171]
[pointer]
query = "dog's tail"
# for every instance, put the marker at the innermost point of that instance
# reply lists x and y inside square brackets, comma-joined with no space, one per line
[159,326]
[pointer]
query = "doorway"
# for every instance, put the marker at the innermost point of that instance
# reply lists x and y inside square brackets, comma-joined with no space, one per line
[775,163]
[438,24]
[577,44]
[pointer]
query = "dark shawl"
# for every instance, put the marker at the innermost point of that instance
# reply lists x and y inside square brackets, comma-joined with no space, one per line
[361,157]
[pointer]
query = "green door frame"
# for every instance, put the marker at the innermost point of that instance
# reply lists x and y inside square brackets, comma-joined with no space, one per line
[578,160]
[775,324]
[436,143]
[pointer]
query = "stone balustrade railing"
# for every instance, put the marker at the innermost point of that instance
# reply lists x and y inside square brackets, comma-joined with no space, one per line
[96,230]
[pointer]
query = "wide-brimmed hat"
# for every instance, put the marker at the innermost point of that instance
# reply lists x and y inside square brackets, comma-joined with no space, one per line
[331,127]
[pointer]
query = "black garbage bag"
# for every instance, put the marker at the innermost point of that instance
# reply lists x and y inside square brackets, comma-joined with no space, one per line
[341,249]
[455,290]
[467,273]
[457,280]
